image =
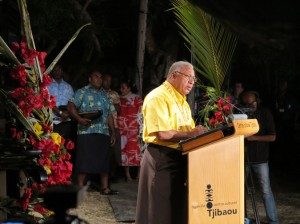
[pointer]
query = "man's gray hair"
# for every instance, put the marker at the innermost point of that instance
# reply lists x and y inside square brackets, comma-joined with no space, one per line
[178,65]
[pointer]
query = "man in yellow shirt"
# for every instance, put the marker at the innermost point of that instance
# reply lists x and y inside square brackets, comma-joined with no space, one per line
[162,195]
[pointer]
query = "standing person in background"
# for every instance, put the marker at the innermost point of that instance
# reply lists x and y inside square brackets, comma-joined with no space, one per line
[62,91]
[129,127]
[238,89]
[286,118]
[116,154]
[94,135]
[162,194]
[257,150]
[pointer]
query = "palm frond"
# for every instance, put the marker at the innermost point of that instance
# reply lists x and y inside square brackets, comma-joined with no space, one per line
[210,44]
[53,63]
[28,33]
[7,53]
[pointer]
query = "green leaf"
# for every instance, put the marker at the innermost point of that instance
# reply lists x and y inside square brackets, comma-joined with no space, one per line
[210,44]
[6,52]
[53,63]
[28,33]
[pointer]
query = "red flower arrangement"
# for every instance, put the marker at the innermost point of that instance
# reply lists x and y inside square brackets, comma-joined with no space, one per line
[216,108]
[222,109]
[34,102]
[30,105]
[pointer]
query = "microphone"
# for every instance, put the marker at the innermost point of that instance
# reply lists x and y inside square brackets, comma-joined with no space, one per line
[237,117]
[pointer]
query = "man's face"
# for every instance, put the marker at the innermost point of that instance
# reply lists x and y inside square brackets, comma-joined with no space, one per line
[249,100]
[238,88]
[57,73]
[184,80]
[96,80]
[106,82]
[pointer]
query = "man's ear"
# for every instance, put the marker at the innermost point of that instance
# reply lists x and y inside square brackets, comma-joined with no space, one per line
[173,75]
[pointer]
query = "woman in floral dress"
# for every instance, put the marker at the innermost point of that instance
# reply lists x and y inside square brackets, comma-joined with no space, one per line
[131,104]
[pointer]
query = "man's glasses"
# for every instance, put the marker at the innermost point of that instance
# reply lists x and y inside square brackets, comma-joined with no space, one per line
[188,76]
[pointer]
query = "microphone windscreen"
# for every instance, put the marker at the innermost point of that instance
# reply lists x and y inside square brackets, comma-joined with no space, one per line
[233,117]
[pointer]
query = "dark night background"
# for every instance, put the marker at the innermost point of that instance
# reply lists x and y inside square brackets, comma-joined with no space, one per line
[267,50]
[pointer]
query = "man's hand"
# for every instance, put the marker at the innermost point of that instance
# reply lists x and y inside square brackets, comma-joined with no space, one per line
[64,116]
[112,139]
[198,130]
[252,138]
[84,121]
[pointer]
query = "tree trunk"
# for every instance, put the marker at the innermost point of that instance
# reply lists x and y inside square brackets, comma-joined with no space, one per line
[141,45]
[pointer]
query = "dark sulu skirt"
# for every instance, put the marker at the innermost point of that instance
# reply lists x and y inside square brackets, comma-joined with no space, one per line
[162,194]
[93,154]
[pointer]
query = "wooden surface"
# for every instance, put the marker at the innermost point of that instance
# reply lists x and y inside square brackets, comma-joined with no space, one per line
[202,141]
[216,175]
[237,128]
[216,182]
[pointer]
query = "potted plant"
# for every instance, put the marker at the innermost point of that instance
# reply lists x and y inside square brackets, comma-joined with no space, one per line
[24,94]
[211,47]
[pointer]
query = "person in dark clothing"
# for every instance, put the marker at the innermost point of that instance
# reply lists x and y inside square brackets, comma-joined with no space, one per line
[286,118]
[257,148]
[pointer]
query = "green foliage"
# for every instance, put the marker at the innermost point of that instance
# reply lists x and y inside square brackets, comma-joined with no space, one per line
[24,94]
[211,46]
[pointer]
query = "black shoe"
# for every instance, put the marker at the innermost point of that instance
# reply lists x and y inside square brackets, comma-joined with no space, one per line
[108,191]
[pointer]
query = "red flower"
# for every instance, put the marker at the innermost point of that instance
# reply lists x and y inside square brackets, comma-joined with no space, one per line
[220,103]
[40,209]
[46,81]
[32,140]
[227,109]
[219,115]
[50,103]
[45,93]
[19,74]
[70,145]
[47,128]
[228,99]
[15,46]
[36,101]
[13,132]
[21,93]
[212,121]
[44,161]
[26,197]
[67,156]
[23,44]
[62,140]
[29,56]
[41,57]
[19,135]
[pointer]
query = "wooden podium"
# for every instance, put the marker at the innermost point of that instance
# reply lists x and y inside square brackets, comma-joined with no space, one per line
[216,174]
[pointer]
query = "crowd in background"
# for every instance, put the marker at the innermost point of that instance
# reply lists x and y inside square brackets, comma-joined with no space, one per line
[107,132]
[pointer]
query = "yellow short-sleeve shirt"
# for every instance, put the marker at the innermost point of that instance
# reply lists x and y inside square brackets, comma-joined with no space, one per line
[165,109]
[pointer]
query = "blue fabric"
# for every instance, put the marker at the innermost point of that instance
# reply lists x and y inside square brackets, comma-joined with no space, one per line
[88,99]
[261,171]
[62,91]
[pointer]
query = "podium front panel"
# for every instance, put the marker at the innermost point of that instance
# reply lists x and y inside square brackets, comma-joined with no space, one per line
[216,182]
